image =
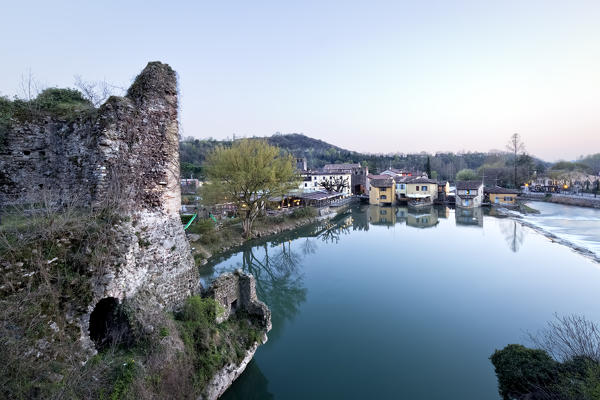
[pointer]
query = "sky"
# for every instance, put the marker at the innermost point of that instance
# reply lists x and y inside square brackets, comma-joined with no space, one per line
[370,76]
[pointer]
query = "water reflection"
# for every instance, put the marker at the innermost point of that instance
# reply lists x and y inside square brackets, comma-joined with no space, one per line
[513,234]
[426,218]
[251,385]
[469,216]
[416,218]
[279,282]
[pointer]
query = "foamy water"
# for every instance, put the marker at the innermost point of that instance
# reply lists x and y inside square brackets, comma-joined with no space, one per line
[578,225]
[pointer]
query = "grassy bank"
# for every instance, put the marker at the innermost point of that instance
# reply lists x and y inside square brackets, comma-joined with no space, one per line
[48,265]
[208,238]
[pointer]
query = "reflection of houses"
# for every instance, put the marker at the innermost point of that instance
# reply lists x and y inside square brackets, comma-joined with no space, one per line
[401,214]
[382,215]
[314,180]
[443,212]
[469,194]
[358,180]
[469,216]
[501,196]
[381,191]
[426,218]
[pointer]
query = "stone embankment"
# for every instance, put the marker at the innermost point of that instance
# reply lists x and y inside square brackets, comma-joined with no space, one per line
[236,292]
[570,200]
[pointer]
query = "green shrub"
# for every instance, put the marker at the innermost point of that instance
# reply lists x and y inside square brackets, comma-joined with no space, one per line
[199,310]
[201,226]
[304,212]
[521,371]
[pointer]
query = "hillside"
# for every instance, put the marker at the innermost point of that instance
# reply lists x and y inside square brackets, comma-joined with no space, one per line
[318,153]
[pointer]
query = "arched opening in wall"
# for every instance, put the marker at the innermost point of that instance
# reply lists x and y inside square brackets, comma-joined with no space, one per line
[109,324]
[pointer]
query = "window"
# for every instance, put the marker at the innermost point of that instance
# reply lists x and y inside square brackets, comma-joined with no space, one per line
[383,197]
[402,186]
[383,212]
[417,188]
[305,184]
[424,188]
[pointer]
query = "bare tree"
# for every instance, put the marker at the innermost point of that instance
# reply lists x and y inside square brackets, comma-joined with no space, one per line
[515,146]
[335,185]
[29,87]
[97,91]
[568,337]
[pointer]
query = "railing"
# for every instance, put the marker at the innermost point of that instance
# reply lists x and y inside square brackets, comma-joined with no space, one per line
[343,202]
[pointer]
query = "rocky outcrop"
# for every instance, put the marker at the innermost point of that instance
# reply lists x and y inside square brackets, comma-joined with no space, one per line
[236,292]
[225,377]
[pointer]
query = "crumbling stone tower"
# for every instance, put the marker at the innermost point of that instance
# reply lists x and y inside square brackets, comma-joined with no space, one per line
[125,156]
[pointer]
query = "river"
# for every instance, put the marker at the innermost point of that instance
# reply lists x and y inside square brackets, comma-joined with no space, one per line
[383,303]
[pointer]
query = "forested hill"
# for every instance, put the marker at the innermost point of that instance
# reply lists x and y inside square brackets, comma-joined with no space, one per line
[318,153]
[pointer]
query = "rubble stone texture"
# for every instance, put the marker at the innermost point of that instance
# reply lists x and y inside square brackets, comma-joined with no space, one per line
[124,155]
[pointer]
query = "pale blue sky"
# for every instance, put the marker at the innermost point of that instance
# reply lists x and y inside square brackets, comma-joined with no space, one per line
[368,76]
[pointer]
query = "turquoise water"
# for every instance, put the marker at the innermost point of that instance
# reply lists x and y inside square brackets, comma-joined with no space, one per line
[387,304]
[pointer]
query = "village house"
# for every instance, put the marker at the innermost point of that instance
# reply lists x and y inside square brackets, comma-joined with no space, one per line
[502,196]
[469,194]
[358,181]
[443,189]
[314,180]
[190,186]
[382,191]
[394,172]
[421,191]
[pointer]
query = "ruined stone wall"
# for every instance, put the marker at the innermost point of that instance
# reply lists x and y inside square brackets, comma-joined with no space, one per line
[124,156]
[237,291]
[126,152]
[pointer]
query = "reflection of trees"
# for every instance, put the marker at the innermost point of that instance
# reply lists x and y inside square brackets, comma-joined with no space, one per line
[278,282]
[331,231]
[309,246]
[513,234]
[360,219]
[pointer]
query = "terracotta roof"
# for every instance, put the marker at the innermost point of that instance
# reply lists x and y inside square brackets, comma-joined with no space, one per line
[371,176]
[422,180]
[463,185]
[381,183]
[501,190]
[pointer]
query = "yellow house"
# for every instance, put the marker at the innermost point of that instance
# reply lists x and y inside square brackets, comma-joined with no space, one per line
[382,192]
[501,196]
[422,190]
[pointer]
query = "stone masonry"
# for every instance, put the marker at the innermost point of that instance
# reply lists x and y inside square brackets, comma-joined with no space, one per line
[237,291]
[125,156]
